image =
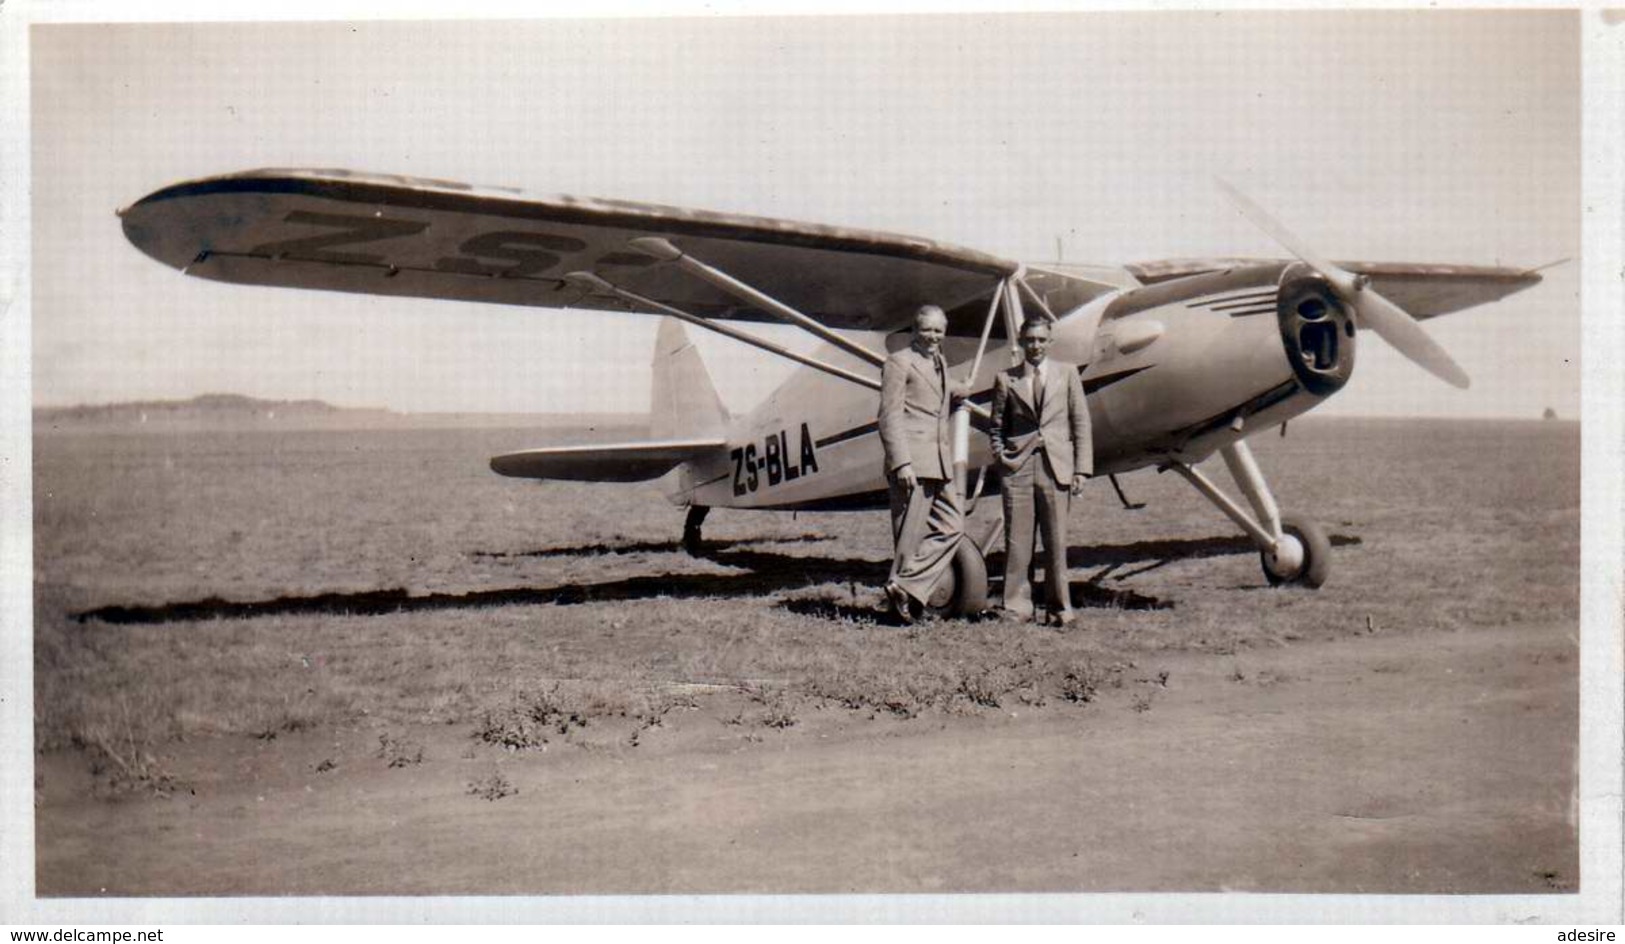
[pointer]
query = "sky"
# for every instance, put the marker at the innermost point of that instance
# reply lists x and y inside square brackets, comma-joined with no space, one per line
[1410,136]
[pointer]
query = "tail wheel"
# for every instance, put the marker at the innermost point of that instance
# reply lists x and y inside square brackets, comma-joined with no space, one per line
[962,591]
[693,543]
[1306,560]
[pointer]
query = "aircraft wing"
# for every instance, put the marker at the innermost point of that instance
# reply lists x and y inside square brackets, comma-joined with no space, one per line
[1424,291]
[608,462]
[340,231]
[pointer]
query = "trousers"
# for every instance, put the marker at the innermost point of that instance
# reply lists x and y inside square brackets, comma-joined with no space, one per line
[1032,496]
[927,523]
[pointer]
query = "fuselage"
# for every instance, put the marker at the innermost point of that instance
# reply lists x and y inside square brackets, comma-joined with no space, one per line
[1172,371]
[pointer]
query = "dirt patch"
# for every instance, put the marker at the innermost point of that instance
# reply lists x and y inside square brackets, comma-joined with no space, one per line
[1422,763]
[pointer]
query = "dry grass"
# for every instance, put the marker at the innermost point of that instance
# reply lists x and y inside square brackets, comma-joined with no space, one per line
[494,786]
[530,611]
[399,750]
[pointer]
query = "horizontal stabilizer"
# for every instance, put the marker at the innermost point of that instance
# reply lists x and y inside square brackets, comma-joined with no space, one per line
[608,462]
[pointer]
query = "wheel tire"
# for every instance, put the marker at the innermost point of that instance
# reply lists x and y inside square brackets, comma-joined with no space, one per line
[693,541]
[962,591]
[1317,555]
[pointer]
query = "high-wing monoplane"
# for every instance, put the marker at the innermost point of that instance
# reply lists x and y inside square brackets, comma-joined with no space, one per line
[1179,358]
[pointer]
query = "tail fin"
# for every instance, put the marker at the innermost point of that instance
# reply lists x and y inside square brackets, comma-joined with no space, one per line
[684,402]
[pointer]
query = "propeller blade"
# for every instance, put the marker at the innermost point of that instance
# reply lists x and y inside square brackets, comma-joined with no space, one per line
[1394,325]
[1343,280]
[1391,322]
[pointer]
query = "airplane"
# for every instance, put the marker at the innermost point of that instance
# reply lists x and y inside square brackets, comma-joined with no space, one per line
[1179,358]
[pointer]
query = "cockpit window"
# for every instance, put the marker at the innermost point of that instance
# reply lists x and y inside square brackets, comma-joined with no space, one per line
[1064,292]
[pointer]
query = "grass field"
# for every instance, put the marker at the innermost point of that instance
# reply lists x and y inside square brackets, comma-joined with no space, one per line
[218,588]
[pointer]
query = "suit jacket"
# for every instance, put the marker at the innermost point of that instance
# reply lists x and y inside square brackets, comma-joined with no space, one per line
[1017,430]
[915,416]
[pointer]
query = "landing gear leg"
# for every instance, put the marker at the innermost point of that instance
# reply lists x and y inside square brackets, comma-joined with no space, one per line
[1292,550]
[691,528]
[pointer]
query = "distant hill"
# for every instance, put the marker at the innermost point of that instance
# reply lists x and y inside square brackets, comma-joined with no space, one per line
[209,411]
[234,412]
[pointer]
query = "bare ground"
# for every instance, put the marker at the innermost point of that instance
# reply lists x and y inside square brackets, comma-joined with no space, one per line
[1375,764]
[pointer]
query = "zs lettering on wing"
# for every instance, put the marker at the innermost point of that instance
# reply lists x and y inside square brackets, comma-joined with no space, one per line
[351,230]
[774,462]
[499,253]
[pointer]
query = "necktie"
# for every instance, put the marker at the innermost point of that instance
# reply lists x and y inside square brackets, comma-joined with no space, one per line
[1038,390]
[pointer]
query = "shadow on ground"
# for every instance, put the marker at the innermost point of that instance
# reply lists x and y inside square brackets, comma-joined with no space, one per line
[646,547]
[760,573]
[1151,555]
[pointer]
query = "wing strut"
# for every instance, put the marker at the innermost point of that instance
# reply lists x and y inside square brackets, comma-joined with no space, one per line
[987,331]
[662,248]
[594,283]
[1042,306]
[961,417]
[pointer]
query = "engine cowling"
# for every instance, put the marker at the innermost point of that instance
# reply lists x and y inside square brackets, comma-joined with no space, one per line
[1317,330]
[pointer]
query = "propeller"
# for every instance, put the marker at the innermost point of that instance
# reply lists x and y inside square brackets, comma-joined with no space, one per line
[1391,322]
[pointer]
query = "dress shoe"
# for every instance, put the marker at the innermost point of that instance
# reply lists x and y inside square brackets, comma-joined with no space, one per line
[897,600]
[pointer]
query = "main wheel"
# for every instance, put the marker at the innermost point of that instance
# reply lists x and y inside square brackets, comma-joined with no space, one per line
[962,591]
[1305,561]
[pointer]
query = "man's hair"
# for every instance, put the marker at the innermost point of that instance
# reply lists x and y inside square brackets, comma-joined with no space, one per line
[1035,321]
[929,311]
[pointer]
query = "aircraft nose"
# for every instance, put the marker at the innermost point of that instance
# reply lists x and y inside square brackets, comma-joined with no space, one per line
[1317,330]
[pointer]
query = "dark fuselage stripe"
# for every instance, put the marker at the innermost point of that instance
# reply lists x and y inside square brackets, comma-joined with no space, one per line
[1096,384]
[852,433]
[1260,295]
[1266,304]
[1259,403]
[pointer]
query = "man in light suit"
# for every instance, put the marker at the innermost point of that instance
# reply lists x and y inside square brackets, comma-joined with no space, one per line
[916,434]
[1041,441]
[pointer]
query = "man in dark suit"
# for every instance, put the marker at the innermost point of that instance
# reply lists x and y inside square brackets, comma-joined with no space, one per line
[916,434]
[1041,441]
